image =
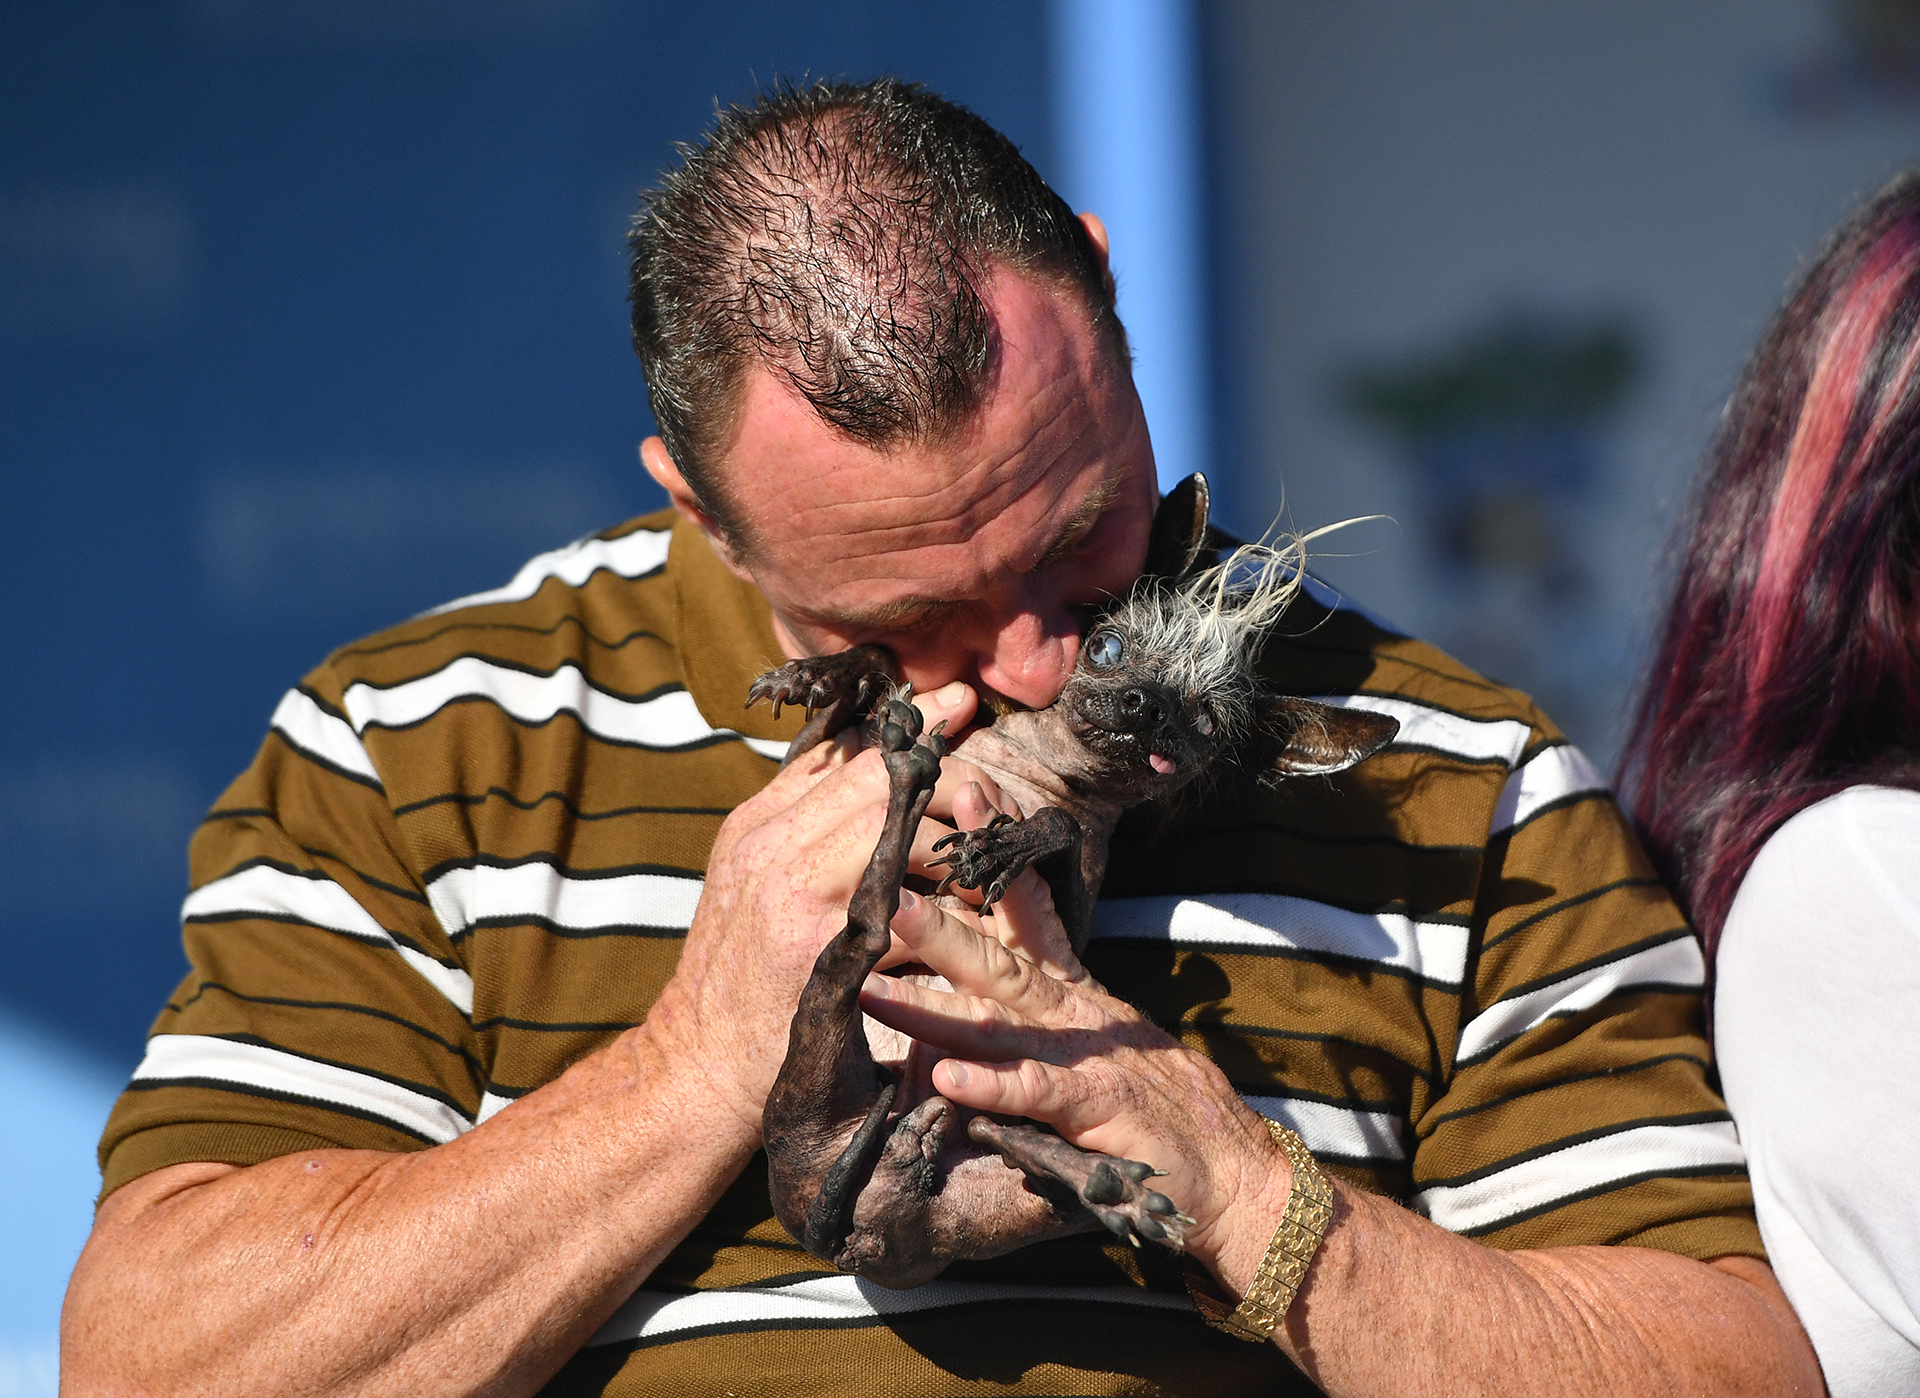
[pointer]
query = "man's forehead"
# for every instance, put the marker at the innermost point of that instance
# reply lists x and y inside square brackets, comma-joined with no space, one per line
[1045,419]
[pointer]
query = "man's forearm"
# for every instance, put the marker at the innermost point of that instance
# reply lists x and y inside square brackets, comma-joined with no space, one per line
[1397,1305]
[479,1266]
[1393,1305]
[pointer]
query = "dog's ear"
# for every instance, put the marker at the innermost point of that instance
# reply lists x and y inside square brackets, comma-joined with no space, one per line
[1313,740]
[1179,530]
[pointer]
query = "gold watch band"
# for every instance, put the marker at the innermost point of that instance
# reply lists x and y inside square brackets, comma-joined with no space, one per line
[1283,1269]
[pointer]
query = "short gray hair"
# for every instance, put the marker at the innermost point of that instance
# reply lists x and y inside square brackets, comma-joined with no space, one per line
[839,234]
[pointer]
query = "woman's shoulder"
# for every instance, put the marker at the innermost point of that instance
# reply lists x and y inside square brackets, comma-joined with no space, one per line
[1836,888]
[1865,807]
[1817,982]
[1869,833]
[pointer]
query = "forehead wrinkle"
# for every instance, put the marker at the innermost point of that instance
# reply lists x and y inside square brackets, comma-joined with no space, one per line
[961,536]
[952,510]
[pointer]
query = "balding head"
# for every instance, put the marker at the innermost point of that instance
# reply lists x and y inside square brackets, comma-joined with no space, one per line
[840,236]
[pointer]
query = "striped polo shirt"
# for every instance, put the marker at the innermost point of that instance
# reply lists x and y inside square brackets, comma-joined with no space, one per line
[470,846]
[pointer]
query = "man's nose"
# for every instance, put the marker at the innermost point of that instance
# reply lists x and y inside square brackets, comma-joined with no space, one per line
[1026,649]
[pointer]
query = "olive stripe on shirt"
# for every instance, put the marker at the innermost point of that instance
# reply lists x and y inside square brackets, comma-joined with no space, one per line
[470,846]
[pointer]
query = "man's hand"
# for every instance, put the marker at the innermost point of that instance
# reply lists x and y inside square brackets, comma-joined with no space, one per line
[1393,1304]
[1050,1044]
[482,1265]
[777,886]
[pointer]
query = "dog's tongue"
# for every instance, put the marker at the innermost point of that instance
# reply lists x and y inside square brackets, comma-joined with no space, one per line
[1163,765]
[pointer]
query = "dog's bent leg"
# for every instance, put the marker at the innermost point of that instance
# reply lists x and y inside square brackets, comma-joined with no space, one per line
[826,1117]
[994,855]
[1114,1190]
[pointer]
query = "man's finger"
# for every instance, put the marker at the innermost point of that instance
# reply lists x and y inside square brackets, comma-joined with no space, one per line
[952,704]
[960,788]
[1026,922]
[950,1022]
[1024,1087]
[973,963]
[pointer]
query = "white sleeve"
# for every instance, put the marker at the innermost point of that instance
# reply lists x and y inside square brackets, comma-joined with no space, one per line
[1817,1031]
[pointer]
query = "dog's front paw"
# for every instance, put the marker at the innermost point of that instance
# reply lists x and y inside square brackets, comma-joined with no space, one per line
[993,856]
[854,677]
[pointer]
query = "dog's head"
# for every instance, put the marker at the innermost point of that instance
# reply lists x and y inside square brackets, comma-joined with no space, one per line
[1167,685]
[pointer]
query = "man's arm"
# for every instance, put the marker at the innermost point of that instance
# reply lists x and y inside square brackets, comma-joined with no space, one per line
[482,1265]
[478,1266]
[1393,1304]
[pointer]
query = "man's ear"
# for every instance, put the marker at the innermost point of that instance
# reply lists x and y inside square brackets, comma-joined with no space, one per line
[1314,740]
[1179,530]
[658,464]
[1097,234]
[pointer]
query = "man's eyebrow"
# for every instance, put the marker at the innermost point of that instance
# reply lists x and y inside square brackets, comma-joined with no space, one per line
[1085,517]
[890,616]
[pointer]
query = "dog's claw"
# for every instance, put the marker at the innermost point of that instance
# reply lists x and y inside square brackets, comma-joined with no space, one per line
[822,682]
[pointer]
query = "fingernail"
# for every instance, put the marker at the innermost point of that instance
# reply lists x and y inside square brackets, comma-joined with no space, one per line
[909,900]
[949,694]
[957,1071]
[877,988]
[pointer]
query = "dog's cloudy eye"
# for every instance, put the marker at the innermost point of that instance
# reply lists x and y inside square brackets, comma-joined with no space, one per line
[1105,651]
[1203,723]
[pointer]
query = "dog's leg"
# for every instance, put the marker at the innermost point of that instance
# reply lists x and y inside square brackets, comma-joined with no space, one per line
[826,1118]
[837,691]
[1115,1190]
[994,855]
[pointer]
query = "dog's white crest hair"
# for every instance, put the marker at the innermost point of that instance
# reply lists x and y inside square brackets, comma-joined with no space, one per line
[1202,634]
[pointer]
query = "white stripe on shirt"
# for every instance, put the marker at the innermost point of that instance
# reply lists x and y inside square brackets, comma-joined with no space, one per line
[1475,739]
[631,556]
[204,1058]
[1676,962]
[321,902]
[314,731]
[665,721]
[1550,775]
[839,1301]
[1348,1132]
[1609,1161]
[1434,951]
[538,891]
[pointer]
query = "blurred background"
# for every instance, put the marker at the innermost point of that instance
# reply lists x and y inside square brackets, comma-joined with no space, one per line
[311,316]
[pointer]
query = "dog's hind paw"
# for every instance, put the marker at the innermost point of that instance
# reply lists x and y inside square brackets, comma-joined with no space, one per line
[1114,1190]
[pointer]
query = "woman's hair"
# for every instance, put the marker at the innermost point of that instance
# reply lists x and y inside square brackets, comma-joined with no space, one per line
[1789,663]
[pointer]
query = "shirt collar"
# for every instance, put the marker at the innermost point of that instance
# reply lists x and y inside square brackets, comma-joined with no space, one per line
[726,640]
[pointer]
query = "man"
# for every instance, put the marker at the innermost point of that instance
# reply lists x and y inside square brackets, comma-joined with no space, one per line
[496,945]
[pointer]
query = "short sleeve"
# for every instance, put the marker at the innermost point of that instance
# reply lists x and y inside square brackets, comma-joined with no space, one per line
[1818,989]
[325,1005]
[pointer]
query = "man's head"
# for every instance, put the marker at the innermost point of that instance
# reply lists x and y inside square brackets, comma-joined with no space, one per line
[890,383]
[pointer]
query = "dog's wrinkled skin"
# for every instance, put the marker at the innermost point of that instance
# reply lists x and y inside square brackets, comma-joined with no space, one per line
[870,1168]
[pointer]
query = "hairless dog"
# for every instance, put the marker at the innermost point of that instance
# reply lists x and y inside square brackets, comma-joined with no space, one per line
[866,1166]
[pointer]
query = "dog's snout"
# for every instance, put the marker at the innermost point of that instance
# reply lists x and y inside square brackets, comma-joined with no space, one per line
[1144,708]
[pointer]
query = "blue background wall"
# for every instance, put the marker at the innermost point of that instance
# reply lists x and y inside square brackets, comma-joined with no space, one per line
[311,315]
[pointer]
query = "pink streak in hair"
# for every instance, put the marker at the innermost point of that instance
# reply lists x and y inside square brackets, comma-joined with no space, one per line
[1817,439]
